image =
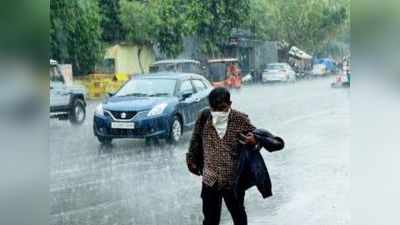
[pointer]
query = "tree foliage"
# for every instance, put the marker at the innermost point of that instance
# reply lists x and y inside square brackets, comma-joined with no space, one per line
[110,22]
[79,27]
[308,24]
[141,22]
[75,33]
[214,20]
[260,21]
[175,25]
[158,22]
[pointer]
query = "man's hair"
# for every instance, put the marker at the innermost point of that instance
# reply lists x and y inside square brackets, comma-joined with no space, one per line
[219,96]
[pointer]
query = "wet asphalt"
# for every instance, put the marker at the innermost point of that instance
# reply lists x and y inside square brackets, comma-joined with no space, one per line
[131,183]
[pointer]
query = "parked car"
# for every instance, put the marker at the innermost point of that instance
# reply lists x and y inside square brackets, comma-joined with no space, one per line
[278,72]
[152,106]
[177,65]
[67,102]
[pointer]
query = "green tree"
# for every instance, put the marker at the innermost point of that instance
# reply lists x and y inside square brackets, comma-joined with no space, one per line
[309,24]
[166,22]
[158,22]
[213,21]
[112,30]
[260,21]
[174,25]
[75,33]
[141,22]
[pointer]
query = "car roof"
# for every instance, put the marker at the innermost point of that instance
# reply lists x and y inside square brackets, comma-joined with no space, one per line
[223,60]
[279,64]
[169,75]
[175,61]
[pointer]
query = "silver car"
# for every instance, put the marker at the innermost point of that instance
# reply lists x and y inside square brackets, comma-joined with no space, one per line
[278,72]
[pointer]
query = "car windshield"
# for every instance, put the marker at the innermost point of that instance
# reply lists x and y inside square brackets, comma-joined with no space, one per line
[55,74]
[217,71]
[275,67]
[148,88]
[163,67]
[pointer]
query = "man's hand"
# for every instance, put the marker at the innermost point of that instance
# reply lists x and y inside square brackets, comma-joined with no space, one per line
[249,138]
[192,167]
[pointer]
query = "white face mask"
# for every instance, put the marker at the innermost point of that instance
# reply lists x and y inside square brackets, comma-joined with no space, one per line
[220,122]
[220,117]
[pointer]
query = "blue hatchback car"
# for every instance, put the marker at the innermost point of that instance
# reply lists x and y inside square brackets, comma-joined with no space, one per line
[158,105]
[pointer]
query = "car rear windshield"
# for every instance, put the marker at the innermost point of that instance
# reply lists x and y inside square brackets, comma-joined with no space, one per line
[217,72]
[163,67]
[150,87]
[275,67]
[178,67]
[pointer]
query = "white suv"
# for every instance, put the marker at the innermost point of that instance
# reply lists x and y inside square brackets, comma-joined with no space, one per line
[278,72]
[67,102]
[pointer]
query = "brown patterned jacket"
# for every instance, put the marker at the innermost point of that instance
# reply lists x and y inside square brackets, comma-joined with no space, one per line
[218,156]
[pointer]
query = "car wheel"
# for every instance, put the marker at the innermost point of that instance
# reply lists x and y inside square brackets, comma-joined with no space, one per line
[78,112]
[104,140]
[175,131]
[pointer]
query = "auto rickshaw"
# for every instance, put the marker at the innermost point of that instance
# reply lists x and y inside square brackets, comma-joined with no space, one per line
[224,72]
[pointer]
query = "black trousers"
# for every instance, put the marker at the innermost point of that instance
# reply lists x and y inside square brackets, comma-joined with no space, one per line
[212,203]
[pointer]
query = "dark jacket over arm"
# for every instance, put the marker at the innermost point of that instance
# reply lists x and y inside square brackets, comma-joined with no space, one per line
[268,141]
[252,170]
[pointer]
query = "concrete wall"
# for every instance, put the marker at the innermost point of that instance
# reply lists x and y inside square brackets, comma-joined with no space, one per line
[265,52]
[126,58]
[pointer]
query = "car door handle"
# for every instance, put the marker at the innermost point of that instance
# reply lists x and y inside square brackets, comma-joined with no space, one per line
[197,100]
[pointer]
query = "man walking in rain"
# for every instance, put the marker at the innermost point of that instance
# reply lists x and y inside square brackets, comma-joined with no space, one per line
[211,153]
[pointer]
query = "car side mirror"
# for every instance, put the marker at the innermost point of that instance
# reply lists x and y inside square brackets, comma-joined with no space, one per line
[186,95]
[110,94]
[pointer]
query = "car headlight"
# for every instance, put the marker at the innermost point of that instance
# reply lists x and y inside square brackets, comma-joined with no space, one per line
[157,110]
[99,110]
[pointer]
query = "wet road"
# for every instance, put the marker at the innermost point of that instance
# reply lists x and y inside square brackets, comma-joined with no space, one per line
[130,183]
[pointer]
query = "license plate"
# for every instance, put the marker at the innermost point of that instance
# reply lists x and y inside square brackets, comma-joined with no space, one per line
[122,125]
